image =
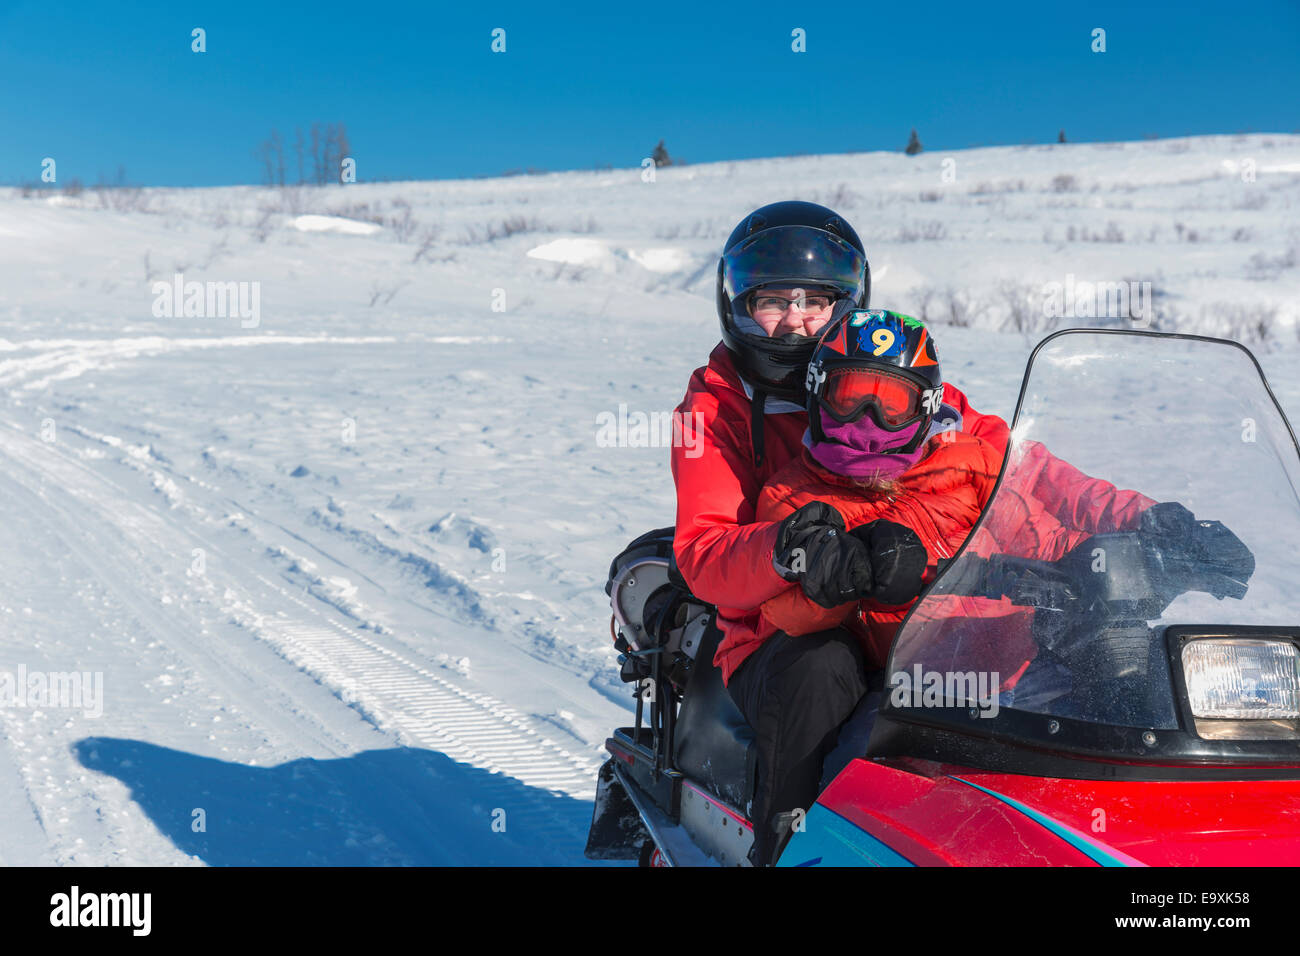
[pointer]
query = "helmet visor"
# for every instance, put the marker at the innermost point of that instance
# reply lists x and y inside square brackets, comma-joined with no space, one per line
[849,391]
[793,256]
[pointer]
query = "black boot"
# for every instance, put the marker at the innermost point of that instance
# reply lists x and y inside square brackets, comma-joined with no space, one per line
[782,829]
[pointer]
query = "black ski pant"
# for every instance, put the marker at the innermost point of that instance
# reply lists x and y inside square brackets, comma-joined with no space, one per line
[795,692]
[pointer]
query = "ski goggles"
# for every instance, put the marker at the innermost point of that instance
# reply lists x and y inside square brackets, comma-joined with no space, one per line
[893,398]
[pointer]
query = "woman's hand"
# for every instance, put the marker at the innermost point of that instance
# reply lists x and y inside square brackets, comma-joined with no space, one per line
[882,560]
[813,549]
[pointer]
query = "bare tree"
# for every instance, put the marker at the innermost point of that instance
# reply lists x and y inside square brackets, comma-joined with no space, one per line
[329,156]
[345,150]
[427,240]
[264,157]
[317,159]
[278,146]
[297,148]
[329,147]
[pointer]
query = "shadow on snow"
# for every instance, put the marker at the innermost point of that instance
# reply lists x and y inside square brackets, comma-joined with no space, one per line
[398,806]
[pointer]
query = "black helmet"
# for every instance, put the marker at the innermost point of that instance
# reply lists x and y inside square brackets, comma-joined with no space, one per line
[794,244]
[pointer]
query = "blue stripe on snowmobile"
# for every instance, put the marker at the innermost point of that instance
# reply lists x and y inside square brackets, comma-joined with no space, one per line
[1093,849]
[830,840]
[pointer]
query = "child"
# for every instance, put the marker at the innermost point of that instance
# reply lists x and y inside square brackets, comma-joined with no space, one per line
[877,448]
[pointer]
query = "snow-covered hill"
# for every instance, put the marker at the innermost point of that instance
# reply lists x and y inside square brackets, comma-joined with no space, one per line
[338,556]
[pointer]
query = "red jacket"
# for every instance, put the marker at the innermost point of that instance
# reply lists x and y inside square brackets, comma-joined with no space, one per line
[1049,507]
[723,551]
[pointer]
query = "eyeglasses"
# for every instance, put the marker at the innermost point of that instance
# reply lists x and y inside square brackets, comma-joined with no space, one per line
[779,304]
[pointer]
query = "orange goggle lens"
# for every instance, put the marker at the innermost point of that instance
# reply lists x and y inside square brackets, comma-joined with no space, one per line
[848,392]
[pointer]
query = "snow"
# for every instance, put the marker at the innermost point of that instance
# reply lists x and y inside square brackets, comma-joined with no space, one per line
[574,251]
[334,224]
[660,260]
[342,572]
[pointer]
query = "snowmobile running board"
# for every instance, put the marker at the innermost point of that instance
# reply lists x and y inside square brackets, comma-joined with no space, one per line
[674,843]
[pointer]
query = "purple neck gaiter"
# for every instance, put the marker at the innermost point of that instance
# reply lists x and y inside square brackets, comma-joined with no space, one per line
[861,449]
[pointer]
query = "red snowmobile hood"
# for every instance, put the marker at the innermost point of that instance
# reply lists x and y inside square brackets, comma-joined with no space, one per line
[953,816]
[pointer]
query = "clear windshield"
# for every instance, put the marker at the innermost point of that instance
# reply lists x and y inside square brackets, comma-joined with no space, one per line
[1059,597]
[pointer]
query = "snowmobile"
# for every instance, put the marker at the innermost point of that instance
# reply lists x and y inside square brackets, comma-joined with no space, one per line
[1135,702]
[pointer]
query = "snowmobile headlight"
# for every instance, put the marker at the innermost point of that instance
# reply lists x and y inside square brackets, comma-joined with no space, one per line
[1243,687]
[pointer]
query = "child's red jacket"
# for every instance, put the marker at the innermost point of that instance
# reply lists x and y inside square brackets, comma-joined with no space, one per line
[1051,508]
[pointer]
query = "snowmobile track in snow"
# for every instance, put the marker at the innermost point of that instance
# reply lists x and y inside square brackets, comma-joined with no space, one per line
[400,696]
[422,709]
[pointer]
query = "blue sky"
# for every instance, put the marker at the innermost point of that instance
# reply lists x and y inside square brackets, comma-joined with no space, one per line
[98,86]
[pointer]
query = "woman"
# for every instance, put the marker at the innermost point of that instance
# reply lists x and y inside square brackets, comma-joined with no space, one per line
[784,270]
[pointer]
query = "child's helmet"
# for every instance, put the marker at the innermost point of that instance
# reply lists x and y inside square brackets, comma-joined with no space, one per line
[876,363]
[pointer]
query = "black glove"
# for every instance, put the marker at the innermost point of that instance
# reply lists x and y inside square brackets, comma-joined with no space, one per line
[812,548]
[1168,519]
[898,559]
[1201,547]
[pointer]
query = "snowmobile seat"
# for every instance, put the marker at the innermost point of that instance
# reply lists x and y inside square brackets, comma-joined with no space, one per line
[714,743]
